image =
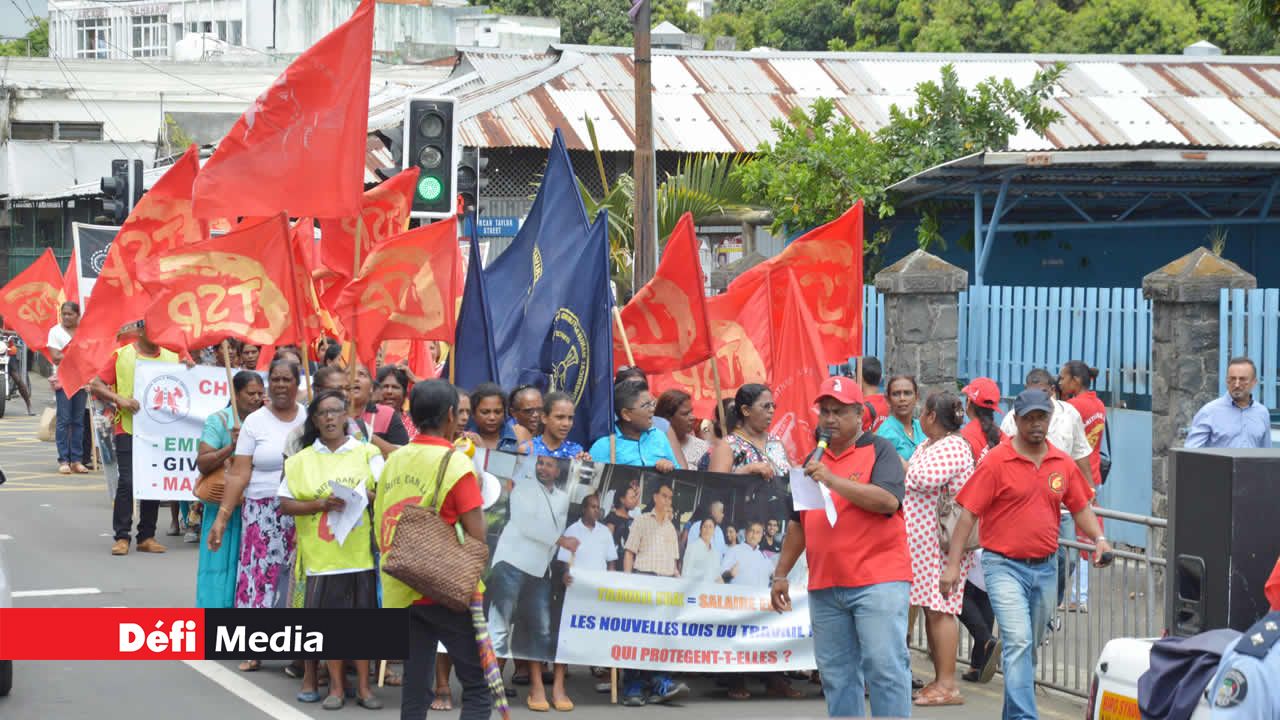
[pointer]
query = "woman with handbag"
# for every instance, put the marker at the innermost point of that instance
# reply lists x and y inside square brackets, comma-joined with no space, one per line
[429,473]
[339,575]
[216,570]
[939,468]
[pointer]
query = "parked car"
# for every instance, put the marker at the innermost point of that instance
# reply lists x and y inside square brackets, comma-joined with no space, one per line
[1113,695]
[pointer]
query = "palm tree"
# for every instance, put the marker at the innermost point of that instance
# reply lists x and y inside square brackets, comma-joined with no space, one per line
[703,185]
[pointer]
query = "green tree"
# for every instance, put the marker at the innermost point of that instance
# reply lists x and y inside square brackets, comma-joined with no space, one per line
[821,163]
[806,24]
[1134,26]
[747,28]
[875,24]
[35,42]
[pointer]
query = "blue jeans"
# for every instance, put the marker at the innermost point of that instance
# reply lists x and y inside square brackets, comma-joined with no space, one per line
[1022,597]
[519,614]
[69,432]
[862,645]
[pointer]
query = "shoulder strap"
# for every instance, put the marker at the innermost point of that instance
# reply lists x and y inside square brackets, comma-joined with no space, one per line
[444,467]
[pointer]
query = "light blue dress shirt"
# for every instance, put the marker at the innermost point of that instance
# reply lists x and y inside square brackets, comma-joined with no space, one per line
[1223,424]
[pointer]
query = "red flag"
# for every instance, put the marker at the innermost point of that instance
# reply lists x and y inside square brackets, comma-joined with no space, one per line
[161,221]
[414,353]
[666,321]
[238,286]
[828,262]
[30,301]
[739,321]
[385,211]
[307,323]
[71,280]
[300,147]
[408,288]
[798,371]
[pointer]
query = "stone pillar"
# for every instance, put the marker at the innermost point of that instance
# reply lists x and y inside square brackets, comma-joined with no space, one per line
[922,319]
[1184,354]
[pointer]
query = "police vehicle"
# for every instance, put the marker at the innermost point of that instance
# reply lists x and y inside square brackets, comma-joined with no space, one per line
[1113,694]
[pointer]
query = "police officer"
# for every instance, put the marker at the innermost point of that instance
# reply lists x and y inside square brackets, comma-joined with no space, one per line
[1247,684]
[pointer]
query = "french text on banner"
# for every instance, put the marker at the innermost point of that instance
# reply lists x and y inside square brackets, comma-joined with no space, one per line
[654,623]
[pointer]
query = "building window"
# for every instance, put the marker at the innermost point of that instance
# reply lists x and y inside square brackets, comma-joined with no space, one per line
[93,38]
[178,31]
[150,36]
[237,33]
[79,131]
[19,130]
[32,130]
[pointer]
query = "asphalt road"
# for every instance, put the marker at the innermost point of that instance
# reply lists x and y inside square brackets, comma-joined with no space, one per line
[55,534]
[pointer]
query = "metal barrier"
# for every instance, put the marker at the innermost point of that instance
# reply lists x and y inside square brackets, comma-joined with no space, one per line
[1124,600]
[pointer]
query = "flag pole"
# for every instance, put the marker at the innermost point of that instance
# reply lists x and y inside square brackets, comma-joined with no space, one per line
[231,385]
[622,332]
[351,331]
[306,364]
[715,380]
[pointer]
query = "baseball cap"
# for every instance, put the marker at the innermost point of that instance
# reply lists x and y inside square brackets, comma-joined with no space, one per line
[983,392]
[841,389]
[1032,400]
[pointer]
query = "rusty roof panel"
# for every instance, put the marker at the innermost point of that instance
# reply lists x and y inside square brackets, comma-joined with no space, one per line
[806,77]
[718,102]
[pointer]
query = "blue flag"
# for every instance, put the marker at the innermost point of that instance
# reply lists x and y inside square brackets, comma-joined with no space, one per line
[475,360]
[550,302]
[577,355]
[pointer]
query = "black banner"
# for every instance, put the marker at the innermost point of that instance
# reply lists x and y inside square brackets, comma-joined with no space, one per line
[235,634]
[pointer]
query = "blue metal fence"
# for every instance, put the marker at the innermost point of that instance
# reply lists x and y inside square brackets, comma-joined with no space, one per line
[1250,327]
[1007,331]
[872,322]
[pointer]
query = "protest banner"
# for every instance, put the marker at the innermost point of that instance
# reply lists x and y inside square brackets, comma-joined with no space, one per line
[596,606]
[175,401]
[90,248]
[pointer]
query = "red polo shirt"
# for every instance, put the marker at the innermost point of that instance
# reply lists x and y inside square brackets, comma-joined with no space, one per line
[1094,415]
[863,548]
[881,407]
[1017,503]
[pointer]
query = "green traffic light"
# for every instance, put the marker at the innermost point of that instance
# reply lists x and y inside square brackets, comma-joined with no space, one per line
[430,188]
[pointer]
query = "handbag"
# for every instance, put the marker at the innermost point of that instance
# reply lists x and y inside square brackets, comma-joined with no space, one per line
[949,512]
[210,487]
[48,423]
[1104,458]
[433,557]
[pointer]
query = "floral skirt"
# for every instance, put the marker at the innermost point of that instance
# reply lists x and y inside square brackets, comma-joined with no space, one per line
[266,555]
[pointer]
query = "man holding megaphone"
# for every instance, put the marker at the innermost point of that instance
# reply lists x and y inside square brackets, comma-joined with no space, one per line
[859,565]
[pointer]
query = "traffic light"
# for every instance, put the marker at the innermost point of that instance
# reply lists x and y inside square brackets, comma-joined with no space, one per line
[429,132]
[115,188]
[393,140]
[471,178]
[137,185]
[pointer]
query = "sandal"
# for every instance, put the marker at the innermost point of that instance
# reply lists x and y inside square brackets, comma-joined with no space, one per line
[393,679]
[739,693]
[936,697]
[443,701]
[310,696]
[251,666]
[783,690]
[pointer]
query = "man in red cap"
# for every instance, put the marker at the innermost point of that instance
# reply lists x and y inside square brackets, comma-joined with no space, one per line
[859,566]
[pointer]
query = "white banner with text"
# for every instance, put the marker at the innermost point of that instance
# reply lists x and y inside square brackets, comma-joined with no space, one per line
[175,402]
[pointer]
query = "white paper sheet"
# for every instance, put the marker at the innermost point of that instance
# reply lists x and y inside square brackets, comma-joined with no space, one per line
[342,522]
[809,494]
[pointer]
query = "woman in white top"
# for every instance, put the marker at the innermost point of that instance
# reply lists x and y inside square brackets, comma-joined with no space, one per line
[701,559]
[267,537]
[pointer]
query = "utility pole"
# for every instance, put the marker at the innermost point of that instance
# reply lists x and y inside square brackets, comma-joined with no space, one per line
[646,219]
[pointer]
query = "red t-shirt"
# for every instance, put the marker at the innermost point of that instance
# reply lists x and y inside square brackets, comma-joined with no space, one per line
[463,497]
[1017,503]
[977,440]
[881,406]
[864,548]
[1272,587]
[1094,414]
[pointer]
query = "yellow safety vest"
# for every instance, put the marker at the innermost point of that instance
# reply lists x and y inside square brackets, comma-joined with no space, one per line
[126,364]
[307,475]
[409,478]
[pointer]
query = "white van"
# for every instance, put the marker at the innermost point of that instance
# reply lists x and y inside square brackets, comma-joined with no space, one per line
[1113,694]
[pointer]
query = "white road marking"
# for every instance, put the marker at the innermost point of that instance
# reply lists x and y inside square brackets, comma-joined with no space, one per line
[237,685]
[6,537]
[57,591]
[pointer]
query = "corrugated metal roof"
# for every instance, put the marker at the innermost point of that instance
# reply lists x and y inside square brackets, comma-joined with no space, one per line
[720,102]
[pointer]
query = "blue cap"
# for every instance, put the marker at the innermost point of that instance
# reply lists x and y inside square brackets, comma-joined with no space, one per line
[1032,400]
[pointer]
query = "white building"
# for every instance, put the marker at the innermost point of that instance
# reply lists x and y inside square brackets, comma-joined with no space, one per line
[190,29]
[701,8]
